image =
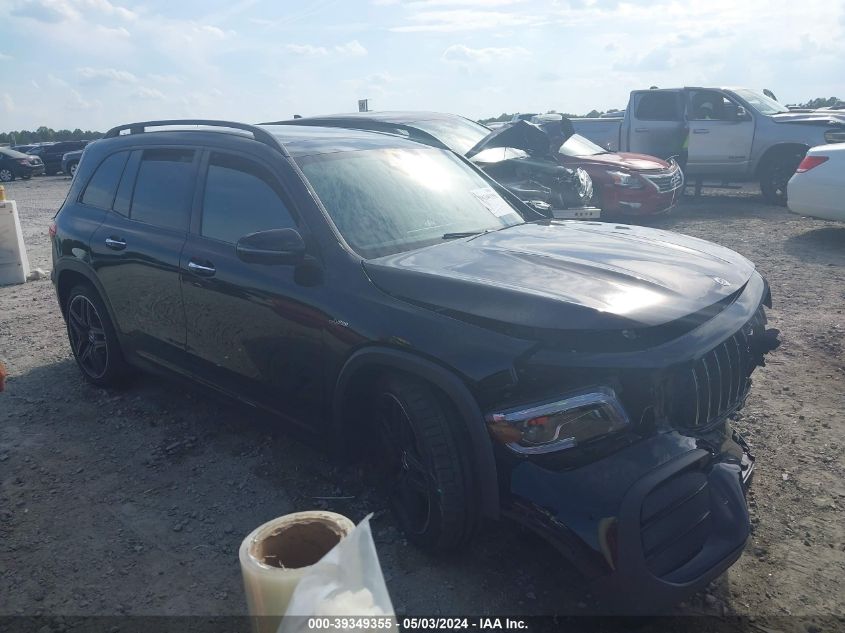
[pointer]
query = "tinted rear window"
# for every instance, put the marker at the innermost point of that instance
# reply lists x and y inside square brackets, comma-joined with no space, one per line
[163,188]
[658,106]
[103,184]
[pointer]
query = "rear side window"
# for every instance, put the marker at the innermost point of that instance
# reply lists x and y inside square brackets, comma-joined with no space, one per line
[103,184]
[658,106]
[163,188]
[241,197]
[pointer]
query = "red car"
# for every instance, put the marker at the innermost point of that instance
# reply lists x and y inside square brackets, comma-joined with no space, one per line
[625,184]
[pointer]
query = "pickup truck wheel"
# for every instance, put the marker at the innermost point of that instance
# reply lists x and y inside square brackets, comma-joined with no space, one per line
[422,464]
[775,175]
[92,338]
[6,175]
[72,169]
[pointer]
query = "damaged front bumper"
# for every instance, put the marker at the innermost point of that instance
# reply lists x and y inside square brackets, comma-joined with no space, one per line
[650,524]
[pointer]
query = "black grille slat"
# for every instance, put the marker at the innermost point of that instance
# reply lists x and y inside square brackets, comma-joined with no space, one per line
[716,384]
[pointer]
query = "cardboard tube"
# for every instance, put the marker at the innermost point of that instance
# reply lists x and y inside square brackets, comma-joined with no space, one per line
[275,556]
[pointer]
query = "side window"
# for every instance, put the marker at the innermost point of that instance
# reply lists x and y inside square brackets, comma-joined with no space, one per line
[710,105]
[658,106]
[163,188]
[101,188]
[241,197]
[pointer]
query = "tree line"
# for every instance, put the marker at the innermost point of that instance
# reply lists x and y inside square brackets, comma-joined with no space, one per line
[45,134]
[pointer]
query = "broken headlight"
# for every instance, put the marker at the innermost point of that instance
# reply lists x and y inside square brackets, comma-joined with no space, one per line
[559,425]
[623,179]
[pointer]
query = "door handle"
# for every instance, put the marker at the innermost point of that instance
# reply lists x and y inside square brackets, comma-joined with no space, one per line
[201,269]
[116,244]
[700,131]
[640,129]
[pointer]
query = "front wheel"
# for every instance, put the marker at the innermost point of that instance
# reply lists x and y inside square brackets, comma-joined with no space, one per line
[422,463]
[6,175]
[775,175]
[93,339]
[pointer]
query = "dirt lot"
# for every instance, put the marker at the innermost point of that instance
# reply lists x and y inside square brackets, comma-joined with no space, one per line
[135,502]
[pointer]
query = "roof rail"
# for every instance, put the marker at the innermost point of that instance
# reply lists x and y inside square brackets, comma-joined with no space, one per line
[259,134]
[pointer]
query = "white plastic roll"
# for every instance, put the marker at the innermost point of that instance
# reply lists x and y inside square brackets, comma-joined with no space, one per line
[278,553]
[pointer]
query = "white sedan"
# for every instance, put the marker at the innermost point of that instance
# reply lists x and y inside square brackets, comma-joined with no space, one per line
[818,186]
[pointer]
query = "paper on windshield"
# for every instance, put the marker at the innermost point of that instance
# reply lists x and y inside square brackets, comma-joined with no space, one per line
[493,201]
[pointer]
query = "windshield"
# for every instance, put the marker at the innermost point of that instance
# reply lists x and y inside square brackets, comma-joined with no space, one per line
[760,102]
[577,145]
[386,201]
[458,134]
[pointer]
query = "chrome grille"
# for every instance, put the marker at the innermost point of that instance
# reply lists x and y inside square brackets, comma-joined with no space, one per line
[668,180]
[716,384]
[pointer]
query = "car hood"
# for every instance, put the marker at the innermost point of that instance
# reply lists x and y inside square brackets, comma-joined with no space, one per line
[627,160]
[566,276]
[519,135]
[812,118]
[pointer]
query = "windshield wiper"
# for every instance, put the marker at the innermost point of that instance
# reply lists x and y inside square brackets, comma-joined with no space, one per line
[454,236]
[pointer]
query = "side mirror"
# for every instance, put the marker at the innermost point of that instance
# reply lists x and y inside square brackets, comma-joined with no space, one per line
[741,113]
[276,246]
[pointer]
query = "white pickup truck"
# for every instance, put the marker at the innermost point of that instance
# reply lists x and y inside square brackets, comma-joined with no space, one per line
[734,134]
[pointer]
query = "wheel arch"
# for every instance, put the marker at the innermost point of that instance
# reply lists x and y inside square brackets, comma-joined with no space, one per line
[367,363]
[72,272]
[776,150]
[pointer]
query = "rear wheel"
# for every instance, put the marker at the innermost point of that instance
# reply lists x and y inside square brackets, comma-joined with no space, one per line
[775,175]
[72,169]
[93,339]
[6,175]
[422,463]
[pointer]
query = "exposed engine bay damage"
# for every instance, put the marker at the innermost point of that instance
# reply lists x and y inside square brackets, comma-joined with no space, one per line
[551,189]
[532,173]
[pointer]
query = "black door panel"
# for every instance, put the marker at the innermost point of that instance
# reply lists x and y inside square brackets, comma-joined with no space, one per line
[251,328]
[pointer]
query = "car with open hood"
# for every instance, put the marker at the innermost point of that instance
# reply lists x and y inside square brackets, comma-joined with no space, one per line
[406,310]
[625,185]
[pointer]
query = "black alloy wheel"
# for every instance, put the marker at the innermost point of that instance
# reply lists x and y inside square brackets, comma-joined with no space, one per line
[422,462]
[87,337]
[407,479]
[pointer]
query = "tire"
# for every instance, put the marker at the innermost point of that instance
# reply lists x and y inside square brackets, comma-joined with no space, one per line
[26,177]
[423,465]
[71,169]
[775,174]
[92,338]
[6,175]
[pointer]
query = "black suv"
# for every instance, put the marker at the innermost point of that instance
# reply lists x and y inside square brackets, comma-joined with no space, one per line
[405,308]
[51,154]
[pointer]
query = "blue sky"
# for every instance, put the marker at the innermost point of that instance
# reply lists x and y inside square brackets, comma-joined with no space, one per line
[96,63]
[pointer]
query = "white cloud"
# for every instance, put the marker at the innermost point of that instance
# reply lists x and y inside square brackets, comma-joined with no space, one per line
[76,102]
[467,20]
[104,75]
[351,49]
[165,79]
[306,50]
[8,102]
[150,94]
[50,11]
[106,7]
[458,53]
[4,57]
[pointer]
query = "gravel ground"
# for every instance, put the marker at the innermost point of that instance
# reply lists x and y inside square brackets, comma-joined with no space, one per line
[135,502]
